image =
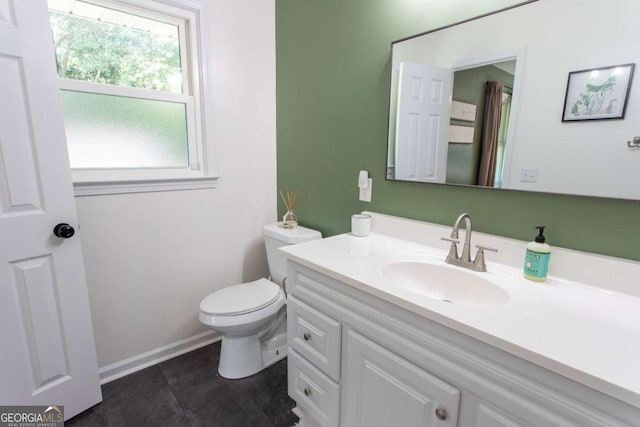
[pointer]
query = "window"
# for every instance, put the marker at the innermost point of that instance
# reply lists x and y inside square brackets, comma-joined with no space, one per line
[131,93]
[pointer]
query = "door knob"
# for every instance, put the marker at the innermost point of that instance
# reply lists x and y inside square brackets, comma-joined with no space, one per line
[63,230]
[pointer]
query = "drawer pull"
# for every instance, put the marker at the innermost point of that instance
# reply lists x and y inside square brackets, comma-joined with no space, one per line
[441,413]
[307,336]
[307,392]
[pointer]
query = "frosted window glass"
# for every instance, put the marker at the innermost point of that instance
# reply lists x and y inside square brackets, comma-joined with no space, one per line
[106,131]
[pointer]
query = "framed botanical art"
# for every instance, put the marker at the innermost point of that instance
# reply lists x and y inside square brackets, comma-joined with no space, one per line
[598,93]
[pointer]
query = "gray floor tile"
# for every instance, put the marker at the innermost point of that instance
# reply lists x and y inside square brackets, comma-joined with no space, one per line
[92,417]
[188,391]
[142,398]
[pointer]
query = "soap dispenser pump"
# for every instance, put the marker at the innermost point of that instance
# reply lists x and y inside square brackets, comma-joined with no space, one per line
[536,262]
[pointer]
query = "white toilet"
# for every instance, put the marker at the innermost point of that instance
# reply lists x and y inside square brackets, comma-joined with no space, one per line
[252,316]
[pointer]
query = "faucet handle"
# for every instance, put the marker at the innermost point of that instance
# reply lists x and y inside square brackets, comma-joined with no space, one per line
[479,261]
[486,248]
[453,249]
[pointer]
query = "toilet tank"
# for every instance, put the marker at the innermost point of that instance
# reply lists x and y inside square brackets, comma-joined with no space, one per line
[276,236]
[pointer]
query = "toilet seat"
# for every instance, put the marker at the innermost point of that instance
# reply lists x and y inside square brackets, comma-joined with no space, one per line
[242,307]
[241,299]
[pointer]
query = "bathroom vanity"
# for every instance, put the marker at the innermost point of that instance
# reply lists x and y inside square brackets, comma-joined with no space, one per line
[377,338]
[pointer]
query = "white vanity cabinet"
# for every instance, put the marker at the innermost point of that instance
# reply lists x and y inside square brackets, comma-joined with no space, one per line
[314,362]
[380,388]
[358,360]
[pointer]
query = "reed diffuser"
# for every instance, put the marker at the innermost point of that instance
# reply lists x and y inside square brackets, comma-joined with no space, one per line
[289,220]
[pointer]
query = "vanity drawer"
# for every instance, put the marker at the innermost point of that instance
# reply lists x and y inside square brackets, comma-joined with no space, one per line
[313,391]
[315,336]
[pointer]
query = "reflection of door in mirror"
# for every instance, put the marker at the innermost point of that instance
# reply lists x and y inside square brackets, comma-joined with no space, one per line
[469,86]
[422,122]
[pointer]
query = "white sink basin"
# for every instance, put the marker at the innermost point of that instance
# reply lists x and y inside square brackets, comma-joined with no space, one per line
[444,283]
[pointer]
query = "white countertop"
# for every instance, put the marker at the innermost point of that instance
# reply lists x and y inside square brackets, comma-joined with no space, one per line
[586,333]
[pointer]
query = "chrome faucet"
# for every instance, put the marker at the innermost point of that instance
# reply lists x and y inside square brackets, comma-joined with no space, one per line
[464,260]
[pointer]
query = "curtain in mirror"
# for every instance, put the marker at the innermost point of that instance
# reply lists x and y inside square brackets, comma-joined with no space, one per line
[490,133]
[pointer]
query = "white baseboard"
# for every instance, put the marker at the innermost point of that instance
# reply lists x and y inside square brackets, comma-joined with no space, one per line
[150,358]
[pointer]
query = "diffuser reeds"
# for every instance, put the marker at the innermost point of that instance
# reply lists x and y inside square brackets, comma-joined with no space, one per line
[290,199]
[289,220]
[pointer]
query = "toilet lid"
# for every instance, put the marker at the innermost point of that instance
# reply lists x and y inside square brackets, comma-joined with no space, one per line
[241,299]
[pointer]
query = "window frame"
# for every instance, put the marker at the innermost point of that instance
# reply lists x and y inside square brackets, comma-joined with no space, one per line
[187,15]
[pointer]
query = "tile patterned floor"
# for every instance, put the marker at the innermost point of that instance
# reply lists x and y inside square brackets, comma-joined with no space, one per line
[188,391]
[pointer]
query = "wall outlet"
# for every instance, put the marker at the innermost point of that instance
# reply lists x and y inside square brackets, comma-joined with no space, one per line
[365,193]
[528,175]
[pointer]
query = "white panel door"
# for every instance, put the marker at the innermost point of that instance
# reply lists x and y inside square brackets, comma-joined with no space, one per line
[381,389]
[422,122]
[47,348]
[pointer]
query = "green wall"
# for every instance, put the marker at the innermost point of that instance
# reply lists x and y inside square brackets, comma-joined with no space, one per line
[333,66]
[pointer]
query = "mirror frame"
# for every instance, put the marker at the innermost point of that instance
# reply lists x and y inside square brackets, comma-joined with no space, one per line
[513,54]
[576,135]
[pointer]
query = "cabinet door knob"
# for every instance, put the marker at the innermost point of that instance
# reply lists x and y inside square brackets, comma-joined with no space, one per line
[307,336]
[441,413]
[307,392]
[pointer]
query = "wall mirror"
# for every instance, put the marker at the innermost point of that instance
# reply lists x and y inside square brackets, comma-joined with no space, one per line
[503,78]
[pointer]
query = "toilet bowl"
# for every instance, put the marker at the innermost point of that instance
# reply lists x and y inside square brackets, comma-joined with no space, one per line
[245,314]
[251,317]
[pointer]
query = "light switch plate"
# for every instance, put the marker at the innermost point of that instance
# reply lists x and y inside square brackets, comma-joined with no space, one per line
[528,175]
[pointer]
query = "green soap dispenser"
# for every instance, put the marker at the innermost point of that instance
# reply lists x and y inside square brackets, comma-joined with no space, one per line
[536,261]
